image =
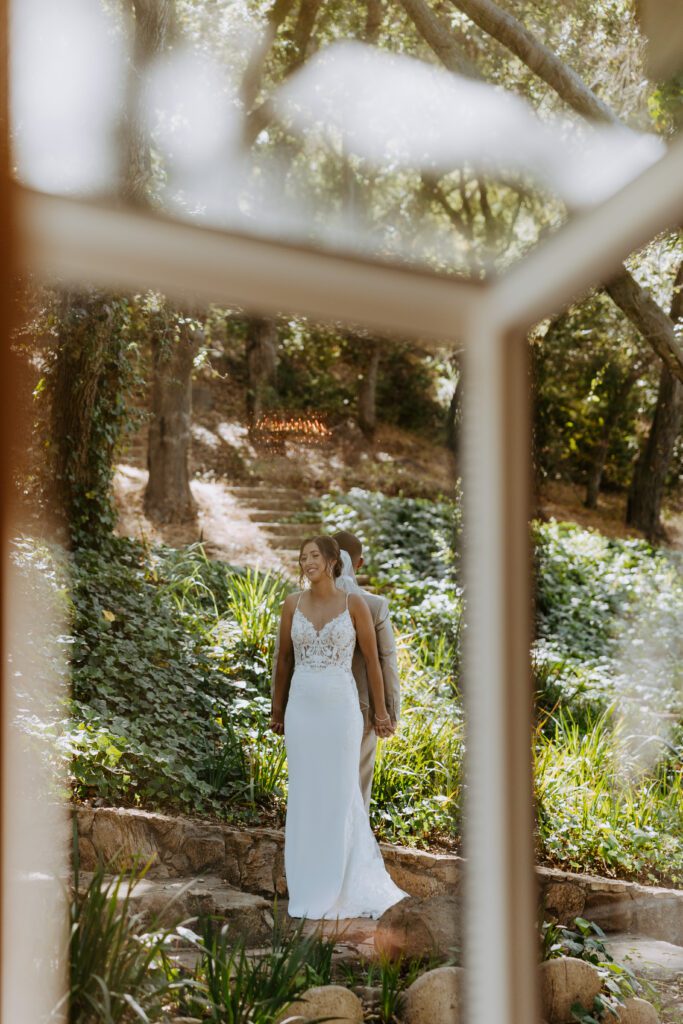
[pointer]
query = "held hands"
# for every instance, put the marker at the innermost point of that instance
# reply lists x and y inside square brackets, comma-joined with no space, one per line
[383,725]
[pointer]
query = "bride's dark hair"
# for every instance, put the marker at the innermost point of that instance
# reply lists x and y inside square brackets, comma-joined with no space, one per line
[330,551]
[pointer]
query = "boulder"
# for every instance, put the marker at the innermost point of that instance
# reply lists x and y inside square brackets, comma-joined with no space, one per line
[564,902]
[637,1011]
[121,839]
[565,981]
[418,927]
[333,1001]
[435,996]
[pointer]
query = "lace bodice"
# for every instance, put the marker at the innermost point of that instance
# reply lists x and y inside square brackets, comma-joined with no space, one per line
[329,647]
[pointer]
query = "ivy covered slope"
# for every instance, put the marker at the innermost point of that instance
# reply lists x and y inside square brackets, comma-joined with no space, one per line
[170,673]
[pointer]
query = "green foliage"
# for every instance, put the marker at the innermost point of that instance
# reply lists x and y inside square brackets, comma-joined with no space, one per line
[598,805]
[611,612]
[586,941]
[161,713]
[410,547]
[591,377]
[234,987]
[255,600]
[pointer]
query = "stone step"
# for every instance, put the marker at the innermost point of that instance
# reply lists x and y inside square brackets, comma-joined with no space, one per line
[293,530]
[172,900]
[252,859]
[274,515]
[284,545]
[645,956]
[267,493]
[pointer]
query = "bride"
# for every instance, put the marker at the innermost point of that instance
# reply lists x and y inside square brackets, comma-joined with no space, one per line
[333,863]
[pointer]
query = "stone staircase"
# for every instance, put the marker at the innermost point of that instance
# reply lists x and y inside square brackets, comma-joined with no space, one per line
[286,516]
[209,869]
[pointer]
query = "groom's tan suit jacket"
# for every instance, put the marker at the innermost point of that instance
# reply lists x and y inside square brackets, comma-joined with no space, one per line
[386,648]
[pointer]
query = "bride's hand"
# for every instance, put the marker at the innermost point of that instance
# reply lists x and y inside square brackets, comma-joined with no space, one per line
[384,726]
[277,723]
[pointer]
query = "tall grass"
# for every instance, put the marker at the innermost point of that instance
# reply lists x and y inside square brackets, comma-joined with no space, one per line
[599,810]
[233,986]
[119,967]
[255,600]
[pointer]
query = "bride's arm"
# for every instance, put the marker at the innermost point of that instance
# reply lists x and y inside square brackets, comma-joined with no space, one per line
[367,640]
[283,671]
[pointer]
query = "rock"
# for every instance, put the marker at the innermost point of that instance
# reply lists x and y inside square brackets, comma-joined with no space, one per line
[121,838]
[565,981]
[435,996]
[258,868]
[421,873]
[205,850]
[419,927]
[637,1011]
[325,1001]
[87,854]
[170,901]
[564,901]
[369,995]
[612,909]
[237,846]
[84,818]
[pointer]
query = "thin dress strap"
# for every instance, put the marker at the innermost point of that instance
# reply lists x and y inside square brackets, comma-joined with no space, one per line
[347,600]
[300,596]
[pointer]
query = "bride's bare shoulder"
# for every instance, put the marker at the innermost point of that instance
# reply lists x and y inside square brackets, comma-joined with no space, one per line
[357,603]
[291,601]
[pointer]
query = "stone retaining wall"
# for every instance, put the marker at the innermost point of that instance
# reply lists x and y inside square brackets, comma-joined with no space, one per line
[253,860]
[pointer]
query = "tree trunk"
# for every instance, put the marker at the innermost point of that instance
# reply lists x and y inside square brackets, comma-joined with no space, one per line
[454,415]
[78,465]
[594,479]
[168,497]
[367,390]
[614,409]
[644,505]
[154,30]
[261,351]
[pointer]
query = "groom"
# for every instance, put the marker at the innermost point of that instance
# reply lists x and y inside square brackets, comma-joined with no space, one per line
[386,649]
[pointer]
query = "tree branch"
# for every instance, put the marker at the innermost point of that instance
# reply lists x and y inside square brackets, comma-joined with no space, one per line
[538,58]
[646,316]
[373,21]
[654,325]
[438,37]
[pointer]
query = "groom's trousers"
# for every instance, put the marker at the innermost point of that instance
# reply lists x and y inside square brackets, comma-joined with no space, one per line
[368,751]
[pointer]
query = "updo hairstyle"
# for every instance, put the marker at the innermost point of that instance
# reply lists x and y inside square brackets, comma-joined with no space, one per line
[330,551]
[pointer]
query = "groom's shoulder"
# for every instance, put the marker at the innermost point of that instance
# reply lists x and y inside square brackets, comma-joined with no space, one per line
[376,603]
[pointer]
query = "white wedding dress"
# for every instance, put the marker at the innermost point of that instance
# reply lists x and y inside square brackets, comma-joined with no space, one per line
[333,863]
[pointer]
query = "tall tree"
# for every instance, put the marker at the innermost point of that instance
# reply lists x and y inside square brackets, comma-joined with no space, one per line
[168,496]
[644,506]
[261,352]
[367,387]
